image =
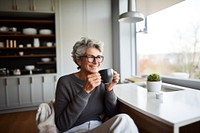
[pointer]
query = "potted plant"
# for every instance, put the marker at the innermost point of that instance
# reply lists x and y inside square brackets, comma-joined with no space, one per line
[154,82]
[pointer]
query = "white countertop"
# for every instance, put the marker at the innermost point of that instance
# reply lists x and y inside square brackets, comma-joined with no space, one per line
[176,108]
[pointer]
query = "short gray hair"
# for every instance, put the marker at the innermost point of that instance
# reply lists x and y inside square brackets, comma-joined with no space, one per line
[81,46]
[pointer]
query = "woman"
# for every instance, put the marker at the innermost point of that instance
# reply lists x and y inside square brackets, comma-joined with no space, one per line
[82,100]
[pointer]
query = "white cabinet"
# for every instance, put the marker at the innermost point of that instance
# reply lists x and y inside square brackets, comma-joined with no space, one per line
[17,93]
[43,88]
[8,5]
[37,86]
[28,5]
[25,90]
[9,92]
[44,5]
[12,91]
[49,85]
[23,5]
[2,93]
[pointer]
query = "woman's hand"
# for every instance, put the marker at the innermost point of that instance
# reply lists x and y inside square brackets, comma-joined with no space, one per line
[109,86]
[92,81]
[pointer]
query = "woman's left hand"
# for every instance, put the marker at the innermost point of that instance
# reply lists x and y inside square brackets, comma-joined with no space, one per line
[109,86]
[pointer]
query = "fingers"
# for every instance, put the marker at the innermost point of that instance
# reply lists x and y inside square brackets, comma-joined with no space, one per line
[94,77]
[115,80]
[92,81]
[115,77]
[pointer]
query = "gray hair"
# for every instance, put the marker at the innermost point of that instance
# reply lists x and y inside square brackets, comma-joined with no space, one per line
[81,46]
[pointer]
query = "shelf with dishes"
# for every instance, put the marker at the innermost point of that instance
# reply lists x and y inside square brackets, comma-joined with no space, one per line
[19,35]
[28,56]
[26,32]
[28,39]
[46,63]
[33,21]
[24,48]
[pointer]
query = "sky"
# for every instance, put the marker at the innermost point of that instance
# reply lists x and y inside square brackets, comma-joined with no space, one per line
[164,28]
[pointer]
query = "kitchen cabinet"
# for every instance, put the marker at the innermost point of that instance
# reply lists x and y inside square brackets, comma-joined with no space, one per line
[12,92]
[16,42]
[21,92]
[37,91]
[2,93]
[43,88]
[28,5]
[9,93]
[9,5]
[25,90]
[49,85]
[44,5]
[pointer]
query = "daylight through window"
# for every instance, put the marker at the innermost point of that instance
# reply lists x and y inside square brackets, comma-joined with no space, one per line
[171,45]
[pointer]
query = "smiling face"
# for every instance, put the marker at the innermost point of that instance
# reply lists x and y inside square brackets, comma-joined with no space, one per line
[90,67]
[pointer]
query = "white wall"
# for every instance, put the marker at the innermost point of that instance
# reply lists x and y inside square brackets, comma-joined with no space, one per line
[77,18]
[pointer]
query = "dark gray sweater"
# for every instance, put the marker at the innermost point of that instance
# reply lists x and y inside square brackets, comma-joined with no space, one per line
[73,106]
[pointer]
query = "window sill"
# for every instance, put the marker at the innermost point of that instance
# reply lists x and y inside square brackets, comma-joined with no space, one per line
[190,83]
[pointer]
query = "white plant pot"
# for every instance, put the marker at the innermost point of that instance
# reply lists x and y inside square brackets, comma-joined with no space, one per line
[154,86]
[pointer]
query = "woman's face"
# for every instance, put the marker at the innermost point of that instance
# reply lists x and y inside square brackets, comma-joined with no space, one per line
[89,64]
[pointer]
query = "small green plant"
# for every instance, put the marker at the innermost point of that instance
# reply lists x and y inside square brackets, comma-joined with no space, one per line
[153,77]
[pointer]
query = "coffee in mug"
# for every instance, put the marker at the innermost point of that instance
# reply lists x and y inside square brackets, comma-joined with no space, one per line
[106,75]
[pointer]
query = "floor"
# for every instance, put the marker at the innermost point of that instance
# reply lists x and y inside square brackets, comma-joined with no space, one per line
[20,122]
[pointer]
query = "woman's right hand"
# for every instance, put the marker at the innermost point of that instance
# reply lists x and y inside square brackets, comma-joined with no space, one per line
[92,81]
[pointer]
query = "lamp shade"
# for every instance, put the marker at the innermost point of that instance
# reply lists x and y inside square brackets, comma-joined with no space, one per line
[131,16]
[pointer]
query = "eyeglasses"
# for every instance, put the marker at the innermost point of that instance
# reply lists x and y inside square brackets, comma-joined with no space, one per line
[92,58]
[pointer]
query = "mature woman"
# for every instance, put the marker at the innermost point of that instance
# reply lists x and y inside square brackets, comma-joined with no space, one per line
[82,100]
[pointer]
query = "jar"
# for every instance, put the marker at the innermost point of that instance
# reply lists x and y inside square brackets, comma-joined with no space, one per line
[36,42]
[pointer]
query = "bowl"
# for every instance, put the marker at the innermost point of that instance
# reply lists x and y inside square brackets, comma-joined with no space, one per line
[29,31]
[28,45]
[29,67]
[21,46]
[16,72]
[3,28]
[45,59]
[49,44]
[45,31]
[21,53]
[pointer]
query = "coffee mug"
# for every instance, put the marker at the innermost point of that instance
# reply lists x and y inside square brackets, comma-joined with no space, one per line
[106,75]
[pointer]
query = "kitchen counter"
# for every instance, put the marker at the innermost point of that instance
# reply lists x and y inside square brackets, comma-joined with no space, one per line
[175,109]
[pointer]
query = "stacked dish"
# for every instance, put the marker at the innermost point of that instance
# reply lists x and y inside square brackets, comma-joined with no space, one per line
[46,59]
[45,31]
[29,67]
[29,31]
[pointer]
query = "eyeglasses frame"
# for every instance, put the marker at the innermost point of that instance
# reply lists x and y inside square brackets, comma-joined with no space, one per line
[95,58]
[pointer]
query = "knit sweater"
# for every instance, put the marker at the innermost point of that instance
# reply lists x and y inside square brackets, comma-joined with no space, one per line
[73,106]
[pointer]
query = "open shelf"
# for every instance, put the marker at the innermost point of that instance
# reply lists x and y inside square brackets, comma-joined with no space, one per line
[28,56]
[19,35]
[28,21]
[14,53]
[23,48]
[46,63]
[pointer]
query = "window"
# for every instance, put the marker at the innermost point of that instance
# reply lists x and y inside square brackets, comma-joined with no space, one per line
[171,45]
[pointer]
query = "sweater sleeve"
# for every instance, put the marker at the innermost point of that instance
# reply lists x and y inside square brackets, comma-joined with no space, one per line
[110,103]
[68,105]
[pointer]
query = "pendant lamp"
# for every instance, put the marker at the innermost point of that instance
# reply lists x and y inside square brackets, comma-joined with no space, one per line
[131,16]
